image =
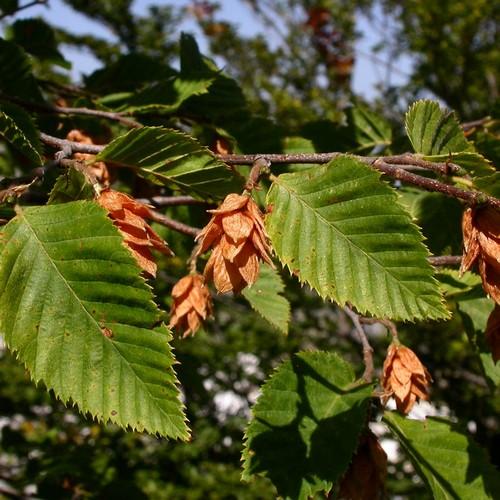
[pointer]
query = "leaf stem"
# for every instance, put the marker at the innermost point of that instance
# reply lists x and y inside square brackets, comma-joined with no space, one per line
[445,260]
[260,166]
[367,349]
[63,110]
[390,325]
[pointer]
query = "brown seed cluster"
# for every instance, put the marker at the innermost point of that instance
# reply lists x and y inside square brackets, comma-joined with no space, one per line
[192,304]
[239,241]
[365,478]
[128,216]
[404,377]
[481,232]
[97,169]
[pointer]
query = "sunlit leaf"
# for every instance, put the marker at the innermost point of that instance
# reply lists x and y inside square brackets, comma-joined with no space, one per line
[437,135]
[450,462]
[341,230]
[77,313]
[265,296]
[170,157]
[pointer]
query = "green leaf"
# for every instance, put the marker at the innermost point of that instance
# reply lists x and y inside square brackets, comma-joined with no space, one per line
[475,313]
[223,102]
[17,128]
[436,134]
[73,185]
[434,131]
[341,230]
[306,424]
[489,184]
[328,136]
[472,162]
[166,96]
[38,39]
[127,73]
[75,309]
[167,156]
[16,78]
[445,237]
[474,309]
[451,463]
[459,287]
[193,64]
[265,296]
[369,129]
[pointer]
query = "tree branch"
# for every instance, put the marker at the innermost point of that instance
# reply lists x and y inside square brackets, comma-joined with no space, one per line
[466,126]
[446,260]
[174,224]
[390,325]
[384,164]
[259,167]
[171,201]
[471,197]
[76,147]
[367,349]
[61,110]
[23,7]
[405,160]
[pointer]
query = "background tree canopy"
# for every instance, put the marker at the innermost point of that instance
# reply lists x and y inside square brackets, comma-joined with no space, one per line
[286,87]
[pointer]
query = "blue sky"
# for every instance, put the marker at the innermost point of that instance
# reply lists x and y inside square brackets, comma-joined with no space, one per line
[367,71]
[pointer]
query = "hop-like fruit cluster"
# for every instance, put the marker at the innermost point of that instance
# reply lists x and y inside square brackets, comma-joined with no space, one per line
[404,377]
[365,478]
[481,231]
[128,216]
[192,304]
[239,241]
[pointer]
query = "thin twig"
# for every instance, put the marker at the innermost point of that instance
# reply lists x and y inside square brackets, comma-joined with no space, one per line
[466,126]
[170,201]
[260,166]
[173,224]
[76,147]
[471,197]
[193,259]
[23,7]
[367,349]
[65,88]
[391,326]
[62,110]
[446,260]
